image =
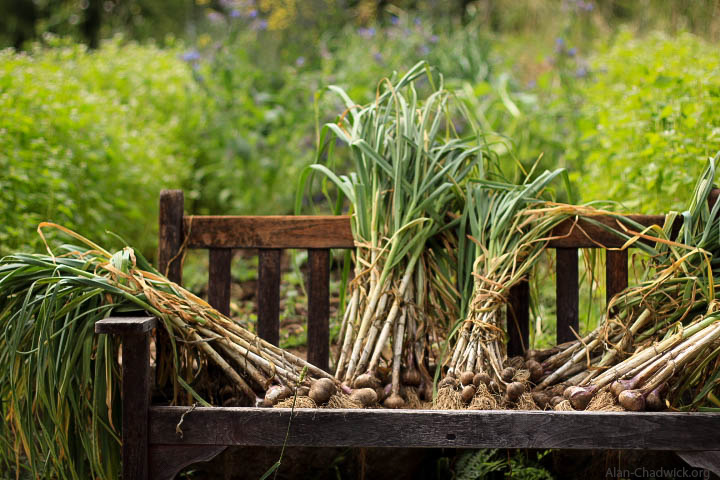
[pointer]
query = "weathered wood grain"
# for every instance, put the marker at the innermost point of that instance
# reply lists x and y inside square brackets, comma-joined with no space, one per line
[432,428]
[135,405]
[125,325]
[268,295]
[170,239]
[318,327]
[709,460]
[293,231]
[219,279]
[616,273]
[518,319]
[567,295]
[584,234]
[171,234]
[317,231]
[166,461]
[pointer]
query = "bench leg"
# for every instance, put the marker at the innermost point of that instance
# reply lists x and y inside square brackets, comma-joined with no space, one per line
[709,460]
[135,405]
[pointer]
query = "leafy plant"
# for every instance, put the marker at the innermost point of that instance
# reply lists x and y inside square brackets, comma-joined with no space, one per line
[479,464]
[88,139]
[472,465]
[650,116]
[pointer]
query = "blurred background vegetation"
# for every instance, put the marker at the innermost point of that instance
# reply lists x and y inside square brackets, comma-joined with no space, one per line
[105,102]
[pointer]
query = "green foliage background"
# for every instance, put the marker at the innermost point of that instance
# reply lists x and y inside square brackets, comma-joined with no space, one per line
[87,139]
[649,120]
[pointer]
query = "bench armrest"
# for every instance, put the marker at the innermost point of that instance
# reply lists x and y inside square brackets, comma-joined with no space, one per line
[125,325]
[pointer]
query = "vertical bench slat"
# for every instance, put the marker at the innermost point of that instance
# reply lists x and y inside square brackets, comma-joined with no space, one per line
[171,234]
[170,240]
[318,328]
[219,279]
[135,405]
[268,294]
[616,272]
[567,293]
[518,319]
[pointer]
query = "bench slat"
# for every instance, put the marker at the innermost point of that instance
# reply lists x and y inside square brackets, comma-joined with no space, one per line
[170,234]
[219,279]
[583,234]
[170,240]
[292,231]
[268,294]
[518,319]
[433,428]
[328,231]
[318,326]
[616,272]
[567,295]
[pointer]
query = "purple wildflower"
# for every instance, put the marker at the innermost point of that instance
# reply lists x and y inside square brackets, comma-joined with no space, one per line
[300,61]
[417,22]
[234,13]
[215,17]
[252,13]
[581,72]
[191,56]
[394,19]
[378,57]
[572,51]
[367,32]
[433,38]
[559,44]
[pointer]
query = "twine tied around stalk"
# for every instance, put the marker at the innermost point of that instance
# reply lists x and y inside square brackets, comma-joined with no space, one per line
[495,298]
[490,332]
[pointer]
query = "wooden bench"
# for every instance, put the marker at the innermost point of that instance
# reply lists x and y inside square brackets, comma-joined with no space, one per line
[151,447]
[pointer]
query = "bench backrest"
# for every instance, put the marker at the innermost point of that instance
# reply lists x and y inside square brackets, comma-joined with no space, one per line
[318,234]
